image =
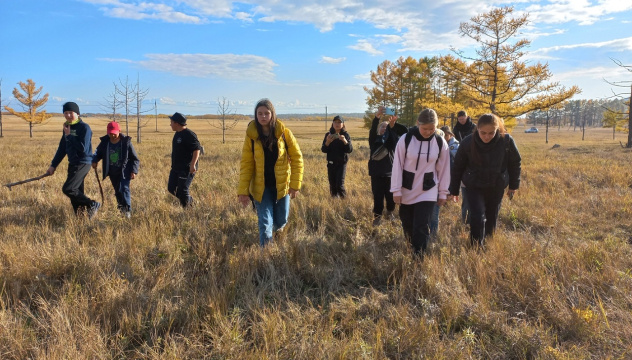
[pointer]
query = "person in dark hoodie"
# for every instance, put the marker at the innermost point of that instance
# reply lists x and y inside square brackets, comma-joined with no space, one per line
[382,142]
[76,143]
[185,152]
[464,126]
[486,162]
[120,163]
[337,146]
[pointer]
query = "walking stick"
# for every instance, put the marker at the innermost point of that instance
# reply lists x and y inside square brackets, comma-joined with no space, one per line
[100,187]
[26,181]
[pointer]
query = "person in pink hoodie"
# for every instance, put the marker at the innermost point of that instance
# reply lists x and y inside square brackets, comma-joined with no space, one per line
[420,178]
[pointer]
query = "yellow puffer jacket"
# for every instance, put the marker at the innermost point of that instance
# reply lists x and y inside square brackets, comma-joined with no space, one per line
[289,174]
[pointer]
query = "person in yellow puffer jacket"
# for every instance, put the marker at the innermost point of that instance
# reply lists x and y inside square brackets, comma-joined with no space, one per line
[271,170]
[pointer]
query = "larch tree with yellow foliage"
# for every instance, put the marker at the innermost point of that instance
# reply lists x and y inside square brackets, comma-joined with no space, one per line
[31,102]
[497,78]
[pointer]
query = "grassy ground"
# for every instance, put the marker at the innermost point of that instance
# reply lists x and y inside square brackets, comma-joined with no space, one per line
[554,283]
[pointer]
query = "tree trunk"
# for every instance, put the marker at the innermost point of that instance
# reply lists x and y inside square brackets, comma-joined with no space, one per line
[629,145]
[30,129]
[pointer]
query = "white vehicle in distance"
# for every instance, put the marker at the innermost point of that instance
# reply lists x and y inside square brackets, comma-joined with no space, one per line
[532,130]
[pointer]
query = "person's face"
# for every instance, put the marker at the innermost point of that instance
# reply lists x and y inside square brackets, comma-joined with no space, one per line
[71,116]
[174,125]
[487,132]
[264,116]
[382,129]
[427,130]
[462,119]
[447,137]
[337,125]
[114,137]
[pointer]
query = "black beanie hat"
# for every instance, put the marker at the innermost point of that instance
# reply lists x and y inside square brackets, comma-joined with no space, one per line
[179,118]
[71,106]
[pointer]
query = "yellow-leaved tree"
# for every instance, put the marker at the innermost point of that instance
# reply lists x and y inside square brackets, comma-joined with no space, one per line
[31,102]
[498,78]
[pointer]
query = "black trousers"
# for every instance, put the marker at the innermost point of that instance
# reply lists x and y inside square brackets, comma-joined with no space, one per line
[73,187]
[484,208]
[179,183]
[381,188]
[336,174]
[415,222]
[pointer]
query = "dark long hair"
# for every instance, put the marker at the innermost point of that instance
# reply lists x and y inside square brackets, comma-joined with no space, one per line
[270,140]
[342,130]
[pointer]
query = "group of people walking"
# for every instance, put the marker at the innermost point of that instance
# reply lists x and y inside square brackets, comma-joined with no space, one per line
[420,168]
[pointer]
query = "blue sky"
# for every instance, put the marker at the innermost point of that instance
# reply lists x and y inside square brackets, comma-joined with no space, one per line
[303,55]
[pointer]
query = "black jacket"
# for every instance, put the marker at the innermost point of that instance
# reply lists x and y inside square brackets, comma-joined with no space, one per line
[461,131]
[481,165]
[337,151]
[130,162]
[384,167]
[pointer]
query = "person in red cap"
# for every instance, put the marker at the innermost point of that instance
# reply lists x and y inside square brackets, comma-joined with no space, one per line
[120,163]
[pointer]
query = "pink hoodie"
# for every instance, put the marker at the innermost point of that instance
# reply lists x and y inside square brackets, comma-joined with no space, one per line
[427,163]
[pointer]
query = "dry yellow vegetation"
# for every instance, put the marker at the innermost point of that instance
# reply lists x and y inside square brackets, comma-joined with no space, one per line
[554,283]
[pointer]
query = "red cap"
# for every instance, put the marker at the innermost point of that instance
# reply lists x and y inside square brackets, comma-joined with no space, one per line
[114,128]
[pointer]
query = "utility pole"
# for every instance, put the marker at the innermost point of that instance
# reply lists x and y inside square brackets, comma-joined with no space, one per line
[326,128]
[156,108]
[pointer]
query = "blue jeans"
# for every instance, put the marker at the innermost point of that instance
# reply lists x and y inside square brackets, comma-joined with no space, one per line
[122,192]
[179,183]
[272,214]
[434,219]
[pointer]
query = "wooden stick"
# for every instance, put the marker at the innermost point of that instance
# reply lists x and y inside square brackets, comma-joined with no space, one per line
[26,181]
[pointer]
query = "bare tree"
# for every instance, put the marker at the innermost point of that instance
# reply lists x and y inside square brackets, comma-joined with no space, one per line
[624,84]
[111,104]
[227,121]
[139,96]
[126,93]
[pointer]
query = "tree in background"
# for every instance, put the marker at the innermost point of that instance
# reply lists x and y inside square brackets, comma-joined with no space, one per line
[31,102]
[614,120]
[497,78]
[627,113]
[139,96]
[1,135]
[227,119]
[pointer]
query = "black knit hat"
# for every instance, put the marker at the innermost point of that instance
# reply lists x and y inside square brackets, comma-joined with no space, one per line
[71,106]
[338,117]
[179,118]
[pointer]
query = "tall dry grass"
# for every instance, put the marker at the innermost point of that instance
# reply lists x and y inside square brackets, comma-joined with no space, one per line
[554,283]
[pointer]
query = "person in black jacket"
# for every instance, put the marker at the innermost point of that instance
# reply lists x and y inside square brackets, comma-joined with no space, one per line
[120,163]
[464,126]
[486,162]
[382,142]
[337,144]
[185,152]
[76,143]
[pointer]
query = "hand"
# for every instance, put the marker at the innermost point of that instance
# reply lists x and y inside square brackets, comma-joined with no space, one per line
[454,198]
[510,193]
[397,199]
[132,177]
[344,139]
[244,200]
[330,139]
[94,165]
[293,193]
[66,129]
[441,202]
[380,112]
[192,169]
[392,120]
[50,171]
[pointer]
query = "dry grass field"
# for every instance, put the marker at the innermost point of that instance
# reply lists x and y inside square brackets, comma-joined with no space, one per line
[554,283]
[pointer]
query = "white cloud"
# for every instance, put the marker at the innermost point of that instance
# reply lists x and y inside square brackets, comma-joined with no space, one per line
[583,12]
[330,60]
[624,44]
[366,46]
[167,101]
[227,66]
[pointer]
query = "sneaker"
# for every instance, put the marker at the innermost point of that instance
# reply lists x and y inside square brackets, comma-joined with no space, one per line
[92,211]
[377,221]
[390,215]
[128,214]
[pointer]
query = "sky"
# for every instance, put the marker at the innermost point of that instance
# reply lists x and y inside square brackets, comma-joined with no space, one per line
[306,56]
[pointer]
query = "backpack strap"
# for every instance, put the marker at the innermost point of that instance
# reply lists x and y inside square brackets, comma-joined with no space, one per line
[409,137]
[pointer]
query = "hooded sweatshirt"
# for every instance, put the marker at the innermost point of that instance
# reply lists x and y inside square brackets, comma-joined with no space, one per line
[427,151]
